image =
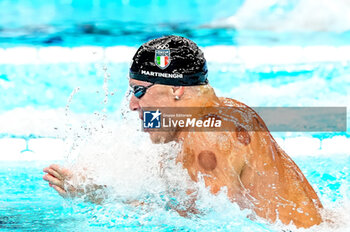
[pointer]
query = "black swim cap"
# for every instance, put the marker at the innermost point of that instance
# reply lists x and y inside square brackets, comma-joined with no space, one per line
[170,60]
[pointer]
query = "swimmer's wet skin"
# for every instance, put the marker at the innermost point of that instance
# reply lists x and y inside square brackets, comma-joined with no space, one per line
[257,173]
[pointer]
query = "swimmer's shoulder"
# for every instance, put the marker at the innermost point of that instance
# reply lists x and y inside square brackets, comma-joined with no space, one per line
[249,115]
[229,102]
[225,101]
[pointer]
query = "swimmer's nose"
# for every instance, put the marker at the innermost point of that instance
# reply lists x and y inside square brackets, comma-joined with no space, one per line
[134,103]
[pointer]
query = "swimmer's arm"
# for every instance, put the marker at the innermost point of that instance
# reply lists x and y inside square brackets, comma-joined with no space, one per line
[57,176]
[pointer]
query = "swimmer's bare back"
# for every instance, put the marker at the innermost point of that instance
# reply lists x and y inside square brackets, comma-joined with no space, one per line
[258,174]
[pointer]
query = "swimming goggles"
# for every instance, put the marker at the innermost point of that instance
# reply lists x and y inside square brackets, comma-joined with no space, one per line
[140,90]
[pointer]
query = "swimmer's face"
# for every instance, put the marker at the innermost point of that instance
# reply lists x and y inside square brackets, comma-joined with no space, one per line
[155,96]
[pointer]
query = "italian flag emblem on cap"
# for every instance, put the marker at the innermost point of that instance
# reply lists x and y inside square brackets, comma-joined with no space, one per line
[162,58]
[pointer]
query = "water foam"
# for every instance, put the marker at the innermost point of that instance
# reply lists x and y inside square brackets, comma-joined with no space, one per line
[142,180]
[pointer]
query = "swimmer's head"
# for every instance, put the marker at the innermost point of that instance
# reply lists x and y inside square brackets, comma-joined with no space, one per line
[170,60]
[168,72]
[167,68]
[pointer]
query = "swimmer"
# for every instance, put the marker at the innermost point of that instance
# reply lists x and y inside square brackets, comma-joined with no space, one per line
[257,173]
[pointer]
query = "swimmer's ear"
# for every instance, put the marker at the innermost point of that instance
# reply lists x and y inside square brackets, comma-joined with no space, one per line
[178,91]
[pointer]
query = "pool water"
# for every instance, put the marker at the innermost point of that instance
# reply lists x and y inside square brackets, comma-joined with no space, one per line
[62,76]
[28,204]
